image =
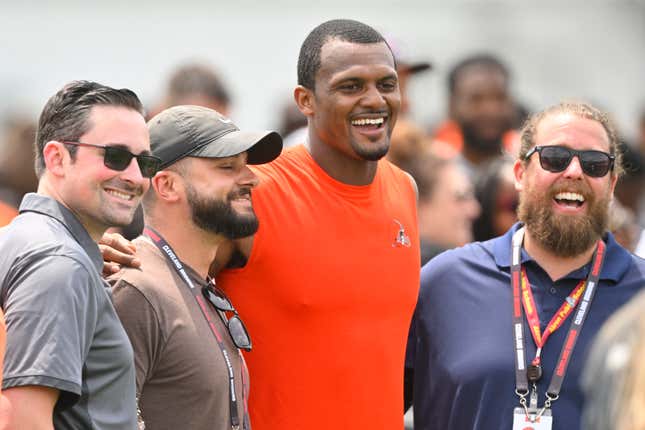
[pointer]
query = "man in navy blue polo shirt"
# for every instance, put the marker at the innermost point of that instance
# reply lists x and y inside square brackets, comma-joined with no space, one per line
[475,336]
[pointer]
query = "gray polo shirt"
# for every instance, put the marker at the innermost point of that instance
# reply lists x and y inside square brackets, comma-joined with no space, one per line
[62,330]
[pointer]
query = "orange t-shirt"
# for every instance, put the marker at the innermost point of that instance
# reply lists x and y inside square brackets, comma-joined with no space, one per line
[327,295]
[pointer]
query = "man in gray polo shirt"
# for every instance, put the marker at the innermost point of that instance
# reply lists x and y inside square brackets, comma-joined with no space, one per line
[68,361]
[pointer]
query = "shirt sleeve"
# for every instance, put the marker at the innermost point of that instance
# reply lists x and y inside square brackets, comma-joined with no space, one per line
[51,313]
[141,323]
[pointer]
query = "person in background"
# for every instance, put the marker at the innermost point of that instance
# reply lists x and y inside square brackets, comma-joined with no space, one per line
[481,111]
[447,206]
[408,142]
[495,191]
[17,176]
[502,327]
[196,84]
[622,223]
[630,190]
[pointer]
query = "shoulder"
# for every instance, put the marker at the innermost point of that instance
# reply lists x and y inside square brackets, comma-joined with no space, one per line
[287,164]
[393,175]
[458,266]
[153,285]
[51,276]
[34,236]
[638,263]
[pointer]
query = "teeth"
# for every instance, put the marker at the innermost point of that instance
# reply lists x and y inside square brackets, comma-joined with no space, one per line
[570,196]
[376,121]
[120,195]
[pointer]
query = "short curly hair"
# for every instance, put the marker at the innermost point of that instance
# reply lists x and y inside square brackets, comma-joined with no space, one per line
[581,110]
[342,29]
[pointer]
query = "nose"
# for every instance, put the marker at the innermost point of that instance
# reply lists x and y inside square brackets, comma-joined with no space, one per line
[373,97]
[574,169]
[132,174]
[248,178]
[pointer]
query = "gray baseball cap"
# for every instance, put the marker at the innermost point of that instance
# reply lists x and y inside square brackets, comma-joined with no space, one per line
[195,131]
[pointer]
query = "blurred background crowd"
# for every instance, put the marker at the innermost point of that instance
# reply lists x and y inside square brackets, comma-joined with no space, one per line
[470,73]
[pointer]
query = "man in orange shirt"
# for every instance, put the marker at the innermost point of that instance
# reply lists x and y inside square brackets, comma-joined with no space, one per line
[328,284]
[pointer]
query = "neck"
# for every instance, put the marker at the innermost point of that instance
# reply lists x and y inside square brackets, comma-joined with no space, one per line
[340,166]
[193,246]
[555,266]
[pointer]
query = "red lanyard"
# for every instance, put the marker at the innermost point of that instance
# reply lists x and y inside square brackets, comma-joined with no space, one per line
[556,322]
[583,294]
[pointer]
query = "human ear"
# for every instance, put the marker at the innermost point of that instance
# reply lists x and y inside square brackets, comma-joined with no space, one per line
[167,186]
[54,154]
[304,98]
[519,168]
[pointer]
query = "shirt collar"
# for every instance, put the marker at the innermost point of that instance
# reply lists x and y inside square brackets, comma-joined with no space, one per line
[47,206]
[617,259]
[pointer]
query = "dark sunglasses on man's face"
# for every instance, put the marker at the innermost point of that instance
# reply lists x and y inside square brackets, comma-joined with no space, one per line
[119,159]
[236,327]
[557,158]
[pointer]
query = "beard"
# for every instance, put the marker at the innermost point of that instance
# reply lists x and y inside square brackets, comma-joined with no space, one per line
[564,235]
[373,152]
[481,144]
[219,217]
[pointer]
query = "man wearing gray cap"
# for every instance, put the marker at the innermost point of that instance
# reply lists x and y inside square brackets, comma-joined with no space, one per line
[185,332]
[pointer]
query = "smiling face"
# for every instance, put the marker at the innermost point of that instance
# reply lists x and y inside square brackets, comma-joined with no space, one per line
[99,196]
[566,212]
[356,99]
[218,192]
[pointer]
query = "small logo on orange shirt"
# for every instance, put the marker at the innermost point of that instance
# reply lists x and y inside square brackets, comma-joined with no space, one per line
[402,239]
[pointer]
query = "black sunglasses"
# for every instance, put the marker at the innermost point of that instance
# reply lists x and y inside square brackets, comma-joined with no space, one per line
[557,158]
[118,159]
[236,328]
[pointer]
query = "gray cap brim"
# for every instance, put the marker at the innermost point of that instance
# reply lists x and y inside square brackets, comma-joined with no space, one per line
[261,147]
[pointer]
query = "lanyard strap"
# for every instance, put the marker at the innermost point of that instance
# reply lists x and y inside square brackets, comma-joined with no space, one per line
[557,320]
[159,241]
[586,290]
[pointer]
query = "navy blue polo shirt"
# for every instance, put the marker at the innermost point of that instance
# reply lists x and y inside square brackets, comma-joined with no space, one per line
[461,340]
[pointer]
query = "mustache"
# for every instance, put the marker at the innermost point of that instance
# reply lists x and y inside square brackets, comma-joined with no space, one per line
[571,186]
[242,192]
